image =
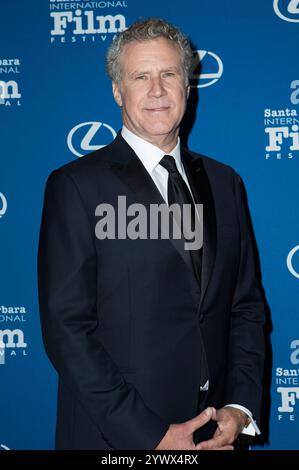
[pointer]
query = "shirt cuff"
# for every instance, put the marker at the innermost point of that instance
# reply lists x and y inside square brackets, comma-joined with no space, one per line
[252,428]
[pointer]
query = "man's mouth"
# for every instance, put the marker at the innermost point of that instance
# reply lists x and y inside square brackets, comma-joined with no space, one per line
[157,108]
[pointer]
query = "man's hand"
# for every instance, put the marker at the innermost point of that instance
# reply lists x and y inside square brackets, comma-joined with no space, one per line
[230,422]
[180,436]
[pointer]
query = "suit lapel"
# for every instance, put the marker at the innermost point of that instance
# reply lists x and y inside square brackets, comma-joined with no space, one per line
[202,193]
[128,167]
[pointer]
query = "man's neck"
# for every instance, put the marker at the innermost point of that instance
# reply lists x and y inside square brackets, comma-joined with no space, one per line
[164,143]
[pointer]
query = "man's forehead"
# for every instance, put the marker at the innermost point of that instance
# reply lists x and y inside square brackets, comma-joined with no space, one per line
[144,52]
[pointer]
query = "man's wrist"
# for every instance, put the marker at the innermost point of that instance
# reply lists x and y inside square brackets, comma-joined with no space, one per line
[245,419]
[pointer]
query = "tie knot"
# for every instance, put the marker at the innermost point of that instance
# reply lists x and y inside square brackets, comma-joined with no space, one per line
[168,162]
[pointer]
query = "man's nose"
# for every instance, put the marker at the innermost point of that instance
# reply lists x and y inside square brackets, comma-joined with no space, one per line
[156,87]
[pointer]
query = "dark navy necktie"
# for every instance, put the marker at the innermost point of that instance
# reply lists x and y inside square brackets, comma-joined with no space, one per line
[178,193]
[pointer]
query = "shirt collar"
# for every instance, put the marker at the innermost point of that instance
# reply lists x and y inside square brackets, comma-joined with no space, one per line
[149,154]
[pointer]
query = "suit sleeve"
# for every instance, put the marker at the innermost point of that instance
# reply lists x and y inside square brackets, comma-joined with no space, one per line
[247,321]
[67,278]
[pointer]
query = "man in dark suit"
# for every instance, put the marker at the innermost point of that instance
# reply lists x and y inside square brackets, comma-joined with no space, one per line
[145,334]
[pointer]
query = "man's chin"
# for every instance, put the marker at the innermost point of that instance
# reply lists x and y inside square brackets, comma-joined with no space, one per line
[159,130]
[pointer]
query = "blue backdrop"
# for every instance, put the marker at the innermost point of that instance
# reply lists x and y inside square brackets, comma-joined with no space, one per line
[56,105]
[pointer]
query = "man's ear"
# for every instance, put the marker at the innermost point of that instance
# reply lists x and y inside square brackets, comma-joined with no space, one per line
[117,94]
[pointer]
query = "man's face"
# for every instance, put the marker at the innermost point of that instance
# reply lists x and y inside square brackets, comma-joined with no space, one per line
[153,92]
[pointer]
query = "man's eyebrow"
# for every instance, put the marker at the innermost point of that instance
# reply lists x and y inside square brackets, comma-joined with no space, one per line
[171,68]
[138,72]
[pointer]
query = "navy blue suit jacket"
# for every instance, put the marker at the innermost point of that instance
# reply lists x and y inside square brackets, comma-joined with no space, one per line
[130,331]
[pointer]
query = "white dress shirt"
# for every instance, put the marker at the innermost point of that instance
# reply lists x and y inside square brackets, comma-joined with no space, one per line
[150,156]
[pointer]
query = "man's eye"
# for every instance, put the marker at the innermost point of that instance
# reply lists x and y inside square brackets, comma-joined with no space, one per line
[140,77]
[168,74]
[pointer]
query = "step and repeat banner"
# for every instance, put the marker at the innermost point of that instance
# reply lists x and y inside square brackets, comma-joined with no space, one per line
[56,105]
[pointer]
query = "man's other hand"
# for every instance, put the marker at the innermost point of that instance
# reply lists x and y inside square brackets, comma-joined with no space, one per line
[180,436]
[230,422]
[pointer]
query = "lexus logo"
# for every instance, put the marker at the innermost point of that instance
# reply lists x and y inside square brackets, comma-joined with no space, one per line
[3,203]
[287,10]
[80,138]
[210,61]
[290,261]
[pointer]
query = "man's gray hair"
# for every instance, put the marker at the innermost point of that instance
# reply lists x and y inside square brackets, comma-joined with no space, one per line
[145,30]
